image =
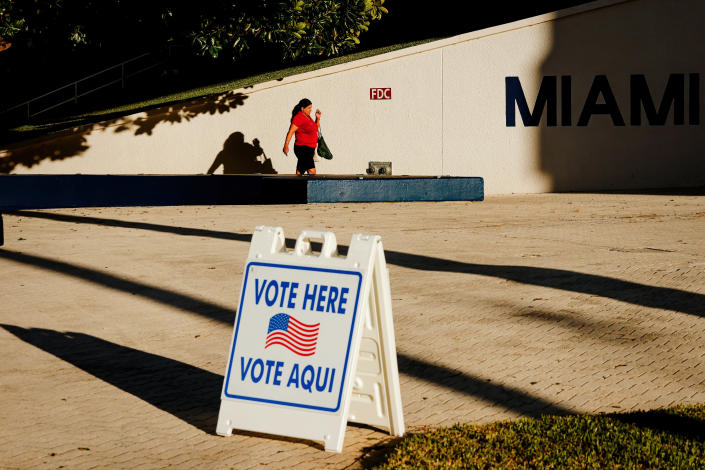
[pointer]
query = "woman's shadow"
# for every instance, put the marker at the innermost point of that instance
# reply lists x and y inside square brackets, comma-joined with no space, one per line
[239,156]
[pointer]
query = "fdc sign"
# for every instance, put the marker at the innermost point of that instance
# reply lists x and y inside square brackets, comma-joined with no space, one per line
[313,343]
[380,93]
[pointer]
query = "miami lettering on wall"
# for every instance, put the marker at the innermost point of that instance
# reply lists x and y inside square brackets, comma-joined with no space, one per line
[300,316]
[680,99]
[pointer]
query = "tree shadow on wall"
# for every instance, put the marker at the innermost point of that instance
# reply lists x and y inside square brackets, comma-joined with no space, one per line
[57,148]
[73,143]
[239,156]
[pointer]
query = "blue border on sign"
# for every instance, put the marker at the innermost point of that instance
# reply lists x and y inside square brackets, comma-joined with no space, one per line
[237,328]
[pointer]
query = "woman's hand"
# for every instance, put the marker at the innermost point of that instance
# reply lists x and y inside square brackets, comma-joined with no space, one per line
[286,149]
[318,114]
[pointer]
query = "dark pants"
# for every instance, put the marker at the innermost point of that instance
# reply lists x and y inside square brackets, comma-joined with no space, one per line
[304,155]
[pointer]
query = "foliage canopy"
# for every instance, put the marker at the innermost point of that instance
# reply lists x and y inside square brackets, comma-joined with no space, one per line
[231,30]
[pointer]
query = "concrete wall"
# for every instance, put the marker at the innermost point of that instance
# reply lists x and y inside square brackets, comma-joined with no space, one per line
[448,113]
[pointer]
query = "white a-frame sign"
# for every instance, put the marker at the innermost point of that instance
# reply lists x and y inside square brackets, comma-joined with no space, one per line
[313,342]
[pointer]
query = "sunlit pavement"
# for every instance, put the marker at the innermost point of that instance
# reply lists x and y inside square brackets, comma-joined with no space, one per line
[116,322]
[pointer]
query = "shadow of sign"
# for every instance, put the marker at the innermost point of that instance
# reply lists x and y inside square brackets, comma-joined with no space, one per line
[74,143]
[187,392]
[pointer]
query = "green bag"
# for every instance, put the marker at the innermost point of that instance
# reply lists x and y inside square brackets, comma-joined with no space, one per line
[323,150]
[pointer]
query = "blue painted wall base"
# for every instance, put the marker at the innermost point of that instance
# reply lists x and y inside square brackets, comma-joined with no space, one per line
[395,189]
[56,191]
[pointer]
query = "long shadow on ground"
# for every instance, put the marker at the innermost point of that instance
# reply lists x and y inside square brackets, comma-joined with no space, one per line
[666,421]
[193,394]
[625,291]
[500,395]
[163,382]
[164,296]
[187,392]
[662,298]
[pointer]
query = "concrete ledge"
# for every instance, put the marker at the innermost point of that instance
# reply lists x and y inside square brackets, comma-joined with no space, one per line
[55,191]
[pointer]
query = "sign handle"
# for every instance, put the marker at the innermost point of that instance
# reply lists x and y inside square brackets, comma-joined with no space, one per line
[303,243]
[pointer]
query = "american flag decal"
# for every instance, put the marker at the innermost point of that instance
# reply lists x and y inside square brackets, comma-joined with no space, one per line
[285,330]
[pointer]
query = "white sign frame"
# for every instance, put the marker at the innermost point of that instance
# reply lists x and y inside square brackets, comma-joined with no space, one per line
[369,391]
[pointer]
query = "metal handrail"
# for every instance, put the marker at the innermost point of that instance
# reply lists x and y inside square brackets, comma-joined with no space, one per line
[75,84]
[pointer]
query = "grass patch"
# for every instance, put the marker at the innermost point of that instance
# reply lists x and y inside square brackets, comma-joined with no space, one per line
[48,126]
[667,438]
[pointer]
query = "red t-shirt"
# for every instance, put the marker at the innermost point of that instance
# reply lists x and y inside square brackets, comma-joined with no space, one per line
[307,132]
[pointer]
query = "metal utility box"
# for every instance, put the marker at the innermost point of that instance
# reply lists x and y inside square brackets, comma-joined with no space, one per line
[380,168]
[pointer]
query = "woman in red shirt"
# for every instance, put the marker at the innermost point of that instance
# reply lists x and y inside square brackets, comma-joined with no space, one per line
[306,130]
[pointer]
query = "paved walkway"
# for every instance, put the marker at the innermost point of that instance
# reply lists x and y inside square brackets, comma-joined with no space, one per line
[116,323]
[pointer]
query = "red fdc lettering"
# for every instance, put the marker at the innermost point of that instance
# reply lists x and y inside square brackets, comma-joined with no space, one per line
[380,93]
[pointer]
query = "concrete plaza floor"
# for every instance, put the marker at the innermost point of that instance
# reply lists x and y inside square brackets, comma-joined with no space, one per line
[115,323]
